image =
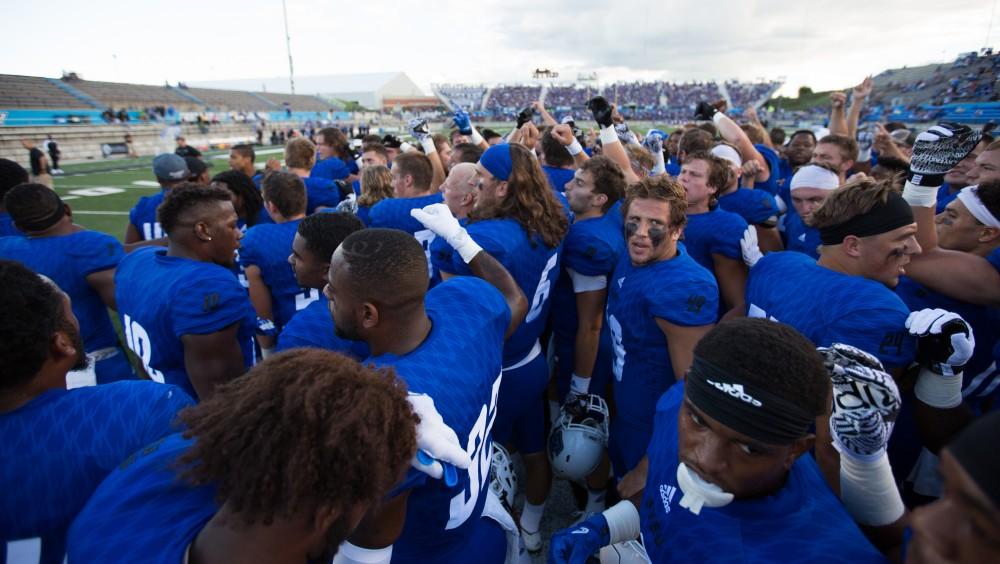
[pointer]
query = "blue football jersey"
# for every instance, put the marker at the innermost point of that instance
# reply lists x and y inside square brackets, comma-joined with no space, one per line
[313,327]
[458,365]
[673,167]
[592,247]
[774,165]
[558,177]
[143,216]
[679,291]
[320,192]
[802,522]
[267,247]
[394,213]
[161,298]
[799,237]
[364,214]
[756,207]
[330,168]
[945,197]
[7,228]
[59,446]
[68,260]
[533,266]
[994,259]
[143,512]
[714,232]
[830,307]
[785,173]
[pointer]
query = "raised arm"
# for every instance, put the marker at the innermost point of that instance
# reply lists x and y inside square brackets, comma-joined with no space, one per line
[464,124]
[838,119]
[438,218]
[547,118]
[422,133]
[564,135]
[610,143]
[734,134]
[859,96]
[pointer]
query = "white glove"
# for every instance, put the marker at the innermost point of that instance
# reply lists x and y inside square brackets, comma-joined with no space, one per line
[866,402]
[750,247]
[945,342]
[436,439]
[438,218]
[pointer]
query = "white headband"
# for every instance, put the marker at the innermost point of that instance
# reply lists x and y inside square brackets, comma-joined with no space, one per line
[728,153]
[970,197]
[812,176]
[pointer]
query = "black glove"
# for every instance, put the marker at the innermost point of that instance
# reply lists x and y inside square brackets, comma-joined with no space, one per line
[601,109]
[525,116]
[938,150]
[705,111]
[391,141]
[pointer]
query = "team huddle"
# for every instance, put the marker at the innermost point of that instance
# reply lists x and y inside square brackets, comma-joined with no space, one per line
[734,348]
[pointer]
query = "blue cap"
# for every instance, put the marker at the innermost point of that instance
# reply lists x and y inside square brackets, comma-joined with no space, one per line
[168,166]
[497,160]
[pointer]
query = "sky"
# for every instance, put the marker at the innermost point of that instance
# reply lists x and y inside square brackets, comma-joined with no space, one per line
[822,44]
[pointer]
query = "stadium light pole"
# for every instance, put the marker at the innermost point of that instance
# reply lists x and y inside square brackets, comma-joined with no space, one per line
[288,45]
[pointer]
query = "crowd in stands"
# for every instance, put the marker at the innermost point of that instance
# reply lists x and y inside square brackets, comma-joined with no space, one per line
[743,94]
[466,97]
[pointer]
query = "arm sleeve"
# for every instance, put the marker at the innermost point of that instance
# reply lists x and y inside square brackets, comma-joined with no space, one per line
[688,303]
[209,304]
[100,252]
[488,243]
[249,250]
[161,414]
[881,332]
[726,241]
[588,254]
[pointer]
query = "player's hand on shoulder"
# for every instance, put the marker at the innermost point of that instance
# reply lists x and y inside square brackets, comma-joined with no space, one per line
[438,449]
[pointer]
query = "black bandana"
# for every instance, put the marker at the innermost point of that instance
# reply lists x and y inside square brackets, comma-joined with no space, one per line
[724,396]
[45,222]
[883,218]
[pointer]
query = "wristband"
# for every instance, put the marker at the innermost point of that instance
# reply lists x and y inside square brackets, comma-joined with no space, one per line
[465,246]
[351,554]
[869,491]
[428,144]
[864,155]
[659,167]
[476,138]
[406,147]
[921,196]
[623,521]
[574,148]
[942,392]
[265,353]
[717,117]
[579,384]
[609,135]
[925,180]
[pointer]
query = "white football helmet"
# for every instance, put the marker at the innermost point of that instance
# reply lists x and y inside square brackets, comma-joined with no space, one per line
[579,436]
[503,478]
[628,552]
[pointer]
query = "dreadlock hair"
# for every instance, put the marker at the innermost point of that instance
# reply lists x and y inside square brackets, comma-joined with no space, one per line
[32,313]
[324,232]
[530,200]
[185,197]
[770,355]
[32,204]
[11,174]
[337,434]
[244,192]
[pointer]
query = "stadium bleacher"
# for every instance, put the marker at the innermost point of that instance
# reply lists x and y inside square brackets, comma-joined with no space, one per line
[296,102]
[35,92]
[231,100]
[122,95]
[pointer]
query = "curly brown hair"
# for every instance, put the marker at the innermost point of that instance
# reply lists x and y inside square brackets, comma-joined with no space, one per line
[307,428]
[530,200]
[664,189]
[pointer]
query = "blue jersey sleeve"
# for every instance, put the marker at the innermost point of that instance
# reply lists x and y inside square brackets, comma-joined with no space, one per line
[250,249]
[209,304]
[726,241]
[994,259]
[98,252]
[689,301]
[588,254]
[455,264]
[762,209]
[881,332]
[161,415]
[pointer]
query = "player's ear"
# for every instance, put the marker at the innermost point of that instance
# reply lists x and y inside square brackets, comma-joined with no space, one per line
[851,245]
[369,315]
[202,231]
[988,234]
[62,346]
[502,189]
[797,448]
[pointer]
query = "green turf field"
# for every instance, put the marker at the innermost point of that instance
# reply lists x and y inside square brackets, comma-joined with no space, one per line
[102,193]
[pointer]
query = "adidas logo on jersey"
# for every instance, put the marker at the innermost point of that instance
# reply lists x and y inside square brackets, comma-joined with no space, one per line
[621,281]
[802,237]
[736,390]
[667,496]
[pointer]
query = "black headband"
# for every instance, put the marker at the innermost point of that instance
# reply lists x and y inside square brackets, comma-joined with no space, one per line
[882,218]
[743,407]
[45,222]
